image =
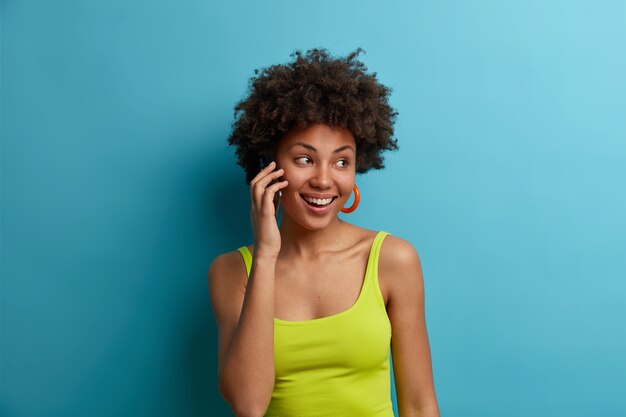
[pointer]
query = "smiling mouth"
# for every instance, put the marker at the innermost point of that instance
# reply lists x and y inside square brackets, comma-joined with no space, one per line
[318,205]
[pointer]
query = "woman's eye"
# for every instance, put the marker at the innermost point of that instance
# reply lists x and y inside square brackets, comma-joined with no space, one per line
[306,159]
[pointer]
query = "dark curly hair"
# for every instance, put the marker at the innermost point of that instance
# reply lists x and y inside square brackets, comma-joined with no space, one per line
[314,88]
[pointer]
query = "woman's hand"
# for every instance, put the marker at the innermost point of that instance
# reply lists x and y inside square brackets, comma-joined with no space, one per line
[263,211]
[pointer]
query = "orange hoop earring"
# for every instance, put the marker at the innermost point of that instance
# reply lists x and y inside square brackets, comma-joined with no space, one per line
[355,203]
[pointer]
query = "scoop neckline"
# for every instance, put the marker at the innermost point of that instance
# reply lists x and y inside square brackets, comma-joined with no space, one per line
[341,313]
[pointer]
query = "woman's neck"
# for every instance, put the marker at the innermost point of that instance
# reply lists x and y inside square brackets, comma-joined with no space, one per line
[300,242]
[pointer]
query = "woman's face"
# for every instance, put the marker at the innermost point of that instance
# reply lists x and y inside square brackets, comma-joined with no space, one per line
[318,162]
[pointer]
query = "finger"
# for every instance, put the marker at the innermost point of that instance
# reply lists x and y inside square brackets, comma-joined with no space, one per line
[259,177]
[269,204]
[268,197]
[267,193]
[263,172]
[261,185]
[266,180]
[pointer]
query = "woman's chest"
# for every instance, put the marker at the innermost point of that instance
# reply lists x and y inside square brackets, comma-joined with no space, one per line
[308,291]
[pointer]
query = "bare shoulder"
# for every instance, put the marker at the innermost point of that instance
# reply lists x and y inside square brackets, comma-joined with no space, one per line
[227,272]
[399,267]
[231,261]
[227,275]
[396,250]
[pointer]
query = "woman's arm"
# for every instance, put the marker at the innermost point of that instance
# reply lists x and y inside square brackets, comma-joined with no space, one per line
[245,311]
[245,321]
[400,266]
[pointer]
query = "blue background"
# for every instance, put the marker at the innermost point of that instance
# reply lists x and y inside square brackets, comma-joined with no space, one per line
[118,189]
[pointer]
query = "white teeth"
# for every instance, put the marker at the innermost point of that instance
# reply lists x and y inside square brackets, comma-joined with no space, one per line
[321,202]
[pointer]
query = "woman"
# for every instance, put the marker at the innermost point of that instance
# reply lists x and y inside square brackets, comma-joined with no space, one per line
[308,314]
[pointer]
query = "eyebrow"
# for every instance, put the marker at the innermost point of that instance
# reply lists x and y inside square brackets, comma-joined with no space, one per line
[306,145]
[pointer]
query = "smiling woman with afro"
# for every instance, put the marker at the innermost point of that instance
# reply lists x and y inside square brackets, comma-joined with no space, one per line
[314,88]
[310,313]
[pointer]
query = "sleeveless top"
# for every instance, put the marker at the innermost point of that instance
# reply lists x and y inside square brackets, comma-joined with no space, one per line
[335,366]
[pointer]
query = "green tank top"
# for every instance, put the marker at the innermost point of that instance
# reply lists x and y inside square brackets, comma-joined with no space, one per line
[335,366]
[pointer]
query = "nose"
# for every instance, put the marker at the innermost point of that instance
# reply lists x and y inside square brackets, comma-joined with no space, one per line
[322,178]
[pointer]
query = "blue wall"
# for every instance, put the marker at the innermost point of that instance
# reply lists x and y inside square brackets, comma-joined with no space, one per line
[118,189]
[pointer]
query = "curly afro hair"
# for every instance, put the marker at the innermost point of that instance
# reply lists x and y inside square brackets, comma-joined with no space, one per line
[314,88]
